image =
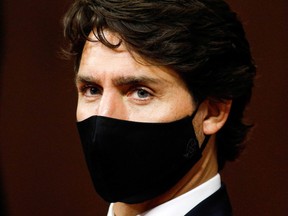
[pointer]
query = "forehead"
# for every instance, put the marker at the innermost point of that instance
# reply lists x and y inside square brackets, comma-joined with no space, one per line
[96,53]
[100,60]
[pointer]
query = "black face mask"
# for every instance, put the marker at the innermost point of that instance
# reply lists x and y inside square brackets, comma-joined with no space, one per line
[132,162]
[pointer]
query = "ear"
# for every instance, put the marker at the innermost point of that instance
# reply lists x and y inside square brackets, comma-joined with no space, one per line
[216,116]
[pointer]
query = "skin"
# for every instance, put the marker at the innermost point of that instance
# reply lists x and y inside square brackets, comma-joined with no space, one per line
[115,84]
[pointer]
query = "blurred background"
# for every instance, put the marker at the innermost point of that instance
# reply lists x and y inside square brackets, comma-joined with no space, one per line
[43,171]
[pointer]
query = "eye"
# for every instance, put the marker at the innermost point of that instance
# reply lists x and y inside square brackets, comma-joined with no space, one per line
[140,94]
[90,90]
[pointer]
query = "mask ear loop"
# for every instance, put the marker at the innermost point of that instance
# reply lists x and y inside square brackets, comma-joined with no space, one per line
[195,112]
[207,137]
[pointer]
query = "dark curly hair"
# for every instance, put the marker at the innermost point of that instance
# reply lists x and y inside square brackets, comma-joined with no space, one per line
[202,40]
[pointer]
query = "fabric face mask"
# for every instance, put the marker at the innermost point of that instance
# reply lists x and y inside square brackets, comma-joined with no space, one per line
[132,162]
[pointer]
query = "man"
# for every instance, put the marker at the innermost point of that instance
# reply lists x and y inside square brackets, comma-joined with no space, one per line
[162,90]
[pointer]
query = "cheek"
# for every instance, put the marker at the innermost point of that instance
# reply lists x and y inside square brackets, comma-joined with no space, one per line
[80,116]
[83,111]
[183,105]
[170,110]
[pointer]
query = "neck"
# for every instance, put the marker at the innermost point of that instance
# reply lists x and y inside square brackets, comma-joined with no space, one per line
[205,169]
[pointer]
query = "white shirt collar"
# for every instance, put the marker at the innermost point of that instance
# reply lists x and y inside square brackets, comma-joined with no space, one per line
[184,203]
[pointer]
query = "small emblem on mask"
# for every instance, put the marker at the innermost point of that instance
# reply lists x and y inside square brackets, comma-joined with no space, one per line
[191,148]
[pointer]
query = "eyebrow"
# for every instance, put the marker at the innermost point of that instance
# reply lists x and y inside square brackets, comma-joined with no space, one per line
[121,81]
[133,80]
[84,79]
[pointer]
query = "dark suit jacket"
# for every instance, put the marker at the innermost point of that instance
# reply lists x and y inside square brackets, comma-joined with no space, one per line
[217,204]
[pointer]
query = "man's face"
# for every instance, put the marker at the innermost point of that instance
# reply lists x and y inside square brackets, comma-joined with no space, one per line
[112,83]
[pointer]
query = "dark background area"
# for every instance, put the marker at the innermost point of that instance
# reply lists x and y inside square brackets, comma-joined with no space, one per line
[42,167]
